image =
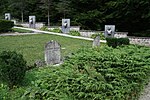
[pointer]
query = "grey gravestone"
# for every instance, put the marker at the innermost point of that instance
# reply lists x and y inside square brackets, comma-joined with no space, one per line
[7,16]
[32,21]
[96,41]
[52,53]
[65,25]
[109,30]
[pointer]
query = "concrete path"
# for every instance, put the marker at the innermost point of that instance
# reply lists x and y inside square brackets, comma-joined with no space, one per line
[60,34]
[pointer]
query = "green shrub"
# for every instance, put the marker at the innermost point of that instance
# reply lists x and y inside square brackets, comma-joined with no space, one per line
[56,30]
[95,74]
[6,25]
[44,28]
[114,42]
[12,68]
[74,33]
[102,37]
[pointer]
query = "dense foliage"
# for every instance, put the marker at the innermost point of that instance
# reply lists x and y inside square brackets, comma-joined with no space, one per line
[74,33]
[6,25]
[95,74]
[102,37]
[114,42]
[12,68]
[127,15]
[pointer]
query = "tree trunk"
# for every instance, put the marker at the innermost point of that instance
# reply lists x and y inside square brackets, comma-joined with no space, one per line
[22,16]
[48,13]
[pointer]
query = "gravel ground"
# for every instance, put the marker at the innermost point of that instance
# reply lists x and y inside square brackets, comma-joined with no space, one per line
[146,93]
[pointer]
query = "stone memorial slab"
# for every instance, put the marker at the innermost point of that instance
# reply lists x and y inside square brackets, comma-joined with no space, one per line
[7,16]
[65,25]
[32,21]
[52,53]
[96,41]
[109,30]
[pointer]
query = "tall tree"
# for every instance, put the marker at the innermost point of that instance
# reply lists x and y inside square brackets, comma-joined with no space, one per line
[63,7]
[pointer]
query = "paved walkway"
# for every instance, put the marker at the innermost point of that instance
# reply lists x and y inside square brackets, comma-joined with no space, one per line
[60,34]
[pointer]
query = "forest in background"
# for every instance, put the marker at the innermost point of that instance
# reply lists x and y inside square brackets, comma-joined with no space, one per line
[128,15]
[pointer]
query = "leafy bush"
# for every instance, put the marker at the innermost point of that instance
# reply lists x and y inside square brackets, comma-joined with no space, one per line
[44,28]
[95,74]
[74,33]
[56,30]
[6,25]
[102,37]
[12,68]
[114,42]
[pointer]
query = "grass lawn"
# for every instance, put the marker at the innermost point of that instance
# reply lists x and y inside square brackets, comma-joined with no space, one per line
[32,46]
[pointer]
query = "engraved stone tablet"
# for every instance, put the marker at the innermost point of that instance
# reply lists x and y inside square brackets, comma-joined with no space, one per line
[109,30]
[52,53]
[32,21]
[7,16]
[65,25]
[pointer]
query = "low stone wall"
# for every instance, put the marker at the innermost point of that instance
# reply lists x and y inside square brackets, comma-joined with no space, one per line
[140,40]
[85,33]
[89,33]
[121,34]
[38,25]
[72,28]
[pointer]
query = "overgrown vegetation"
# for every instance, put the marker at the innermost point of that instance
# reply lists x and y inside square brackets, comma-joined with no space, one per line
[12,68]
[114,42]
[74,33]
[6,25]
[94,74]
[102,37]
[56,30]
[103,73]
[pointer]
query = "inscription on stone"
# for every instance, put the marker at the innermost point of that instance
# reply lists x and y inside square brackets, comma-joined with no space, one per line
[52,53]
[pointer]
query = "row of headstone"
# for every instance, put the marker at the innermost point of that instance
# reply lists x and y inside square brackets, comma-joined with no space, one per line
[109,29]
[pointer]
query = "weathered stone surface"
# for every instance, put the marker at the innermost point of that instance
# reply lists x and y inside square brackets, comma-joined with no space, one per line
[52,53]
[96,41]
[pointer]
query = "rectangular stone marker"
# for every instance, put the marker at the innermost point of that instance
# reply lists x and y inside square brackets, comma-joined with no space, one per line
[32,21]
[96,41]
[65,25]
[109,30]
[52,53]
[7,16]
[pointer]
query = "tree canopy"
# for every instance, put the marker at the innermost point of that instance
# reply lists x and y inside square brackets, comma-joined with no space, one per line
[127,15]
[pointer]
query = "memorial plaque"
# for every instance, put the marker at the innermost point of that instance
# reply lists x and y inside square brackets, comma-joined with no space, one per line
[32,21]
[109,30]
[65,25]
[7,16]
